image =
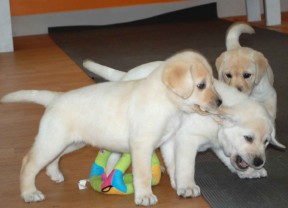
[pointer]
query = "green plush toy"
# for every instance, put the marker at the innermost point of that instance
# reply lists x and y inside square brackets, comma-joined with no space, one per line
[117,182]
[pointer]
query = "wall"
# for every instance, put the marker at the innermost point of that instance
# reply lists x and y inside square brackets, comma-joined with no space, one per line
[32,7]
[30,20]
[6,42]
[34,23]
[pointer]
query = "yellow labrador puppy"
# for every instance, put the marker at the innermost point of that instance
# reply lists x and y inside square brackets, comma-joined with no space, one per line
[247,69]
[249,171]
[117,116]
[238,137]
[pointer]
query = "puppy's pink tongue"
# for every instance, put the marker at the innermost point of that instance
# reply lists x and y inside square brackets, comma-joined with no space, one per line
[241,163]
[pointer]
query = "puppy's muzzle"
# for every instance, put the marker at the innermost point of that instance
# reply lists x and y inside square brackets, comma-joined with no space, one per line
[210,109]
[257,163]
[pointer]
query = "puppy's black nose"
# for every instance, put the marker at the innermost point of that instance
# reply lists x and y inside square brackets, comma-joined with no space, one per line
[239,88]
[219,102]
[258,161]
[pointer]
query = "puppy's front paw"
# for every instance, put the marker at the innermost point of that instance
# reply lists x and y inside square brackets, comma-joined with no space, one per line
[186,192]
[253,173]
[34,196]
[146,200]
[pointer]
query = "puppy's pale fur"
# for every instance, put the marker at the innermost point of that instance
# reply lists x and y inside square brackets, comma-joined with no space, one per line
[194,129]
[247,69]
[239,138]
[238,61]
[135,116]
[241,67]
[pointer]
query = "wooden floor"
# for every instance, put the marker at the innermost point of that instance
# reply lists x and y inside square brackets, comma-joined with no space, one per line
[38,63]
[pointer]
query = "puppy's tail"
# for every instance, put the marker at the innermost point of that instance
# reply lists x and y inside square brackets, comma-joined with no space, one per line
[41,97]
[103,71]
[234,32]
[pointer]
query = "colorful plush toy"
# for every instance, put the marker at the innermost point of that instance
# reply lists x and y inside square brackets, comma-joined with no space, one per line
[117,182]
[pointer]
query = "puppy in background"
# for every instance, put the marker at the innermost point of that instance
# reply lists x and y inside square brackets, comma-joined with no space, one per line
[247,69]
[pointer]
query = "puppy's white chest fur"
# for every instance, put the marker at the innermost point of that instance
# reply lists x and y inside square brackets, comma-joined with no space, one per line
[170,130]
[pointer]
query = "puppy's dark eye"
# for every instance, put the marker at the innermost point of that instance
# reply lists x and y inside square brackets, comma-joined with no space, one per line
[201,86]
[248,139]
[246,75]
[228,75]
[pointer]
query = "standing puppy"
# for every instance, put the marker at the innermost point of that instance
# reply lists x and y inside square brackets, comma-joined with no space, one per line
[247,69]
[117,116]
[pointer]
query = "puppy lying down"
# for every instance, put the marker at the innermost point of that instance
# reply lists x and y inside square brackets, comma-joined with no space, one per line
[117,116]
[238,137]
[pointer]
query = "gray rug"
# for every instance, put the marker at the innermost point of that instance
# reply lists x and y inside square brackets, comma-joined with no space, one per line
[128,45]
[223,189]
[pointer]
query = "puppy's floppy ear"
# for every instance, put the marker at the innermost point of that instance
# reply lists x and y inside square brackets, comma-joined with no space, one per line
[178,78]
[262,68]
[219,62]
[274,141]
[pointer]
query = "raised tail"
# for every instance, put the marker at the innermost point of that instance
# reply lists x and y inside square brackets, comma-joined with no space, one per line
[103,71]
[234,32]
[41,97]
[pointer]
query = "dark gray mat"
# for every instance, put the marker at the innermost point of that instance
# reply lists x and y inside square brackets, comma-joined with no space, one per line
[223,189]
[128,45]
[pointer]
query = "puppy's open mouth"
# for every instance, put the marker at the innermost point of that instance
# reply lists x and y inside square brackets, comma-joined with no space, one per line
[242,164]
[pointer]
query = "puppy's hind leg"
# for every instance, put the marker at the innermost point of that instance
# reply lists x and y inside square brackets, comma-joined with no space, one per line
[41,153]
[53,170]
